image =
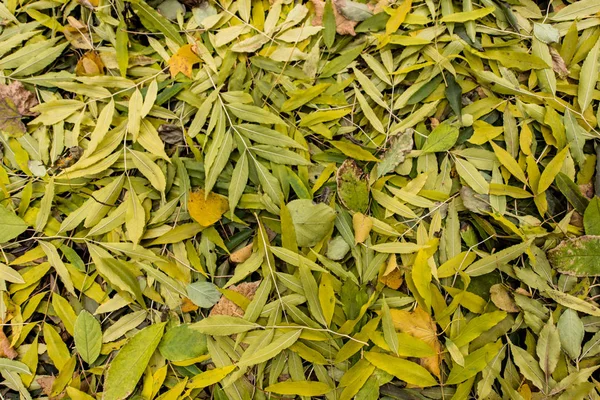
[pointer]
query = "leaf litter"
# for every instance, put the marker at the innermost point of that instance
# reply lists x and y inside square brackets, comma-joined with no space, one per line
[333,199]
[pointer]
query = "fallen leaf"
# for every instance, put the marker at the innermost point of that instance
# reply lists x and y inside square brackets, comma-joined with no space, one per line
[419,324]
[77,34]
[241,255]
[6,349]
[393,280]
[558,64]
[352,186]
[188,305]
[343,26]
[228,307]
[90,65]
[502,298]
[206,210]
[15,103]
[183,61]
[362,225]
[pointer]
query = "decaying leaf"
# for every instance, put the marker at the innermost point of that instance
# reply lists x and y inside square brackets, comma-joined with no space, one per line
[90,65]
[352,186]
[577,256]
[228,307]
[347,14]
[16,102]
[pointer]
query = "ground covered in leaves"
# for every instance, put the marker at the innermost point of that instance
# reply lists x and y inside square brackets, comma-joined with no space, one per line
[328,199]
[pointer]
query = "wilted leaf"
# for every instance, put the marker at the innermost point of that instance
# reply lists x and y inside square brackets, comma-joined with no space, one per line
[352,186]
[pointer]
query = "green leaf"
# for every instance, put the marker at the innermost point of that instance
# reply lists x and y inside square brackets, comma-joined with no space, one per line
[88,337]
[389,332]
[442,138]
[528,366]
[591,217]
[572,192]
[352,186]
[573,302]
[577,10]
[271,350]
[252,113]
[329,24]
[579,256]
[570,333]
[182,343]
[474,363]
[493,261]
[129,365]
[399,146]
[203,294]
[14,365]
[477,326]
[312,222]
[13,225]
[548,347]
[155,22]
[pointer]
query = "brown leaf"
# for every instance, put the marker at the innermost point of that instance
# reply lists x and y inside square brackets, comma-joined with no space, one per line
[171,134]
[228,307]
[24,99]
[46,383]
[343,26]
[558,64]
[6,350]
[77,34]
[90,65]
[15,102]
[502,298]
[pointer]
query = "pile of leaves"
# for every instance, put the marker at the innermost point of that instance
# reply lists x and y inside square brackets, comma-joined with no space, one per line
[242,199]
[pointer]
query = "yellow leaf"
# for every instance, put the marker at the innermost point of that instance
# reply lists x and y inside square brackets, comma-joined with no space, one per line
[551,170]
[420,325]
[484,132]
[397,17]
[182,61]
[327,297]
[241,255]
[362,227]
[302,388]
[210,377]
[509,162]
[206,210]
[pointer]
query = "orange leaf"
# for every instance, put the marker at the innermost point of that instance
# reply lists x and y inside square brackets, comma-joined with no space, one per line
[183,61]
[90,65]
